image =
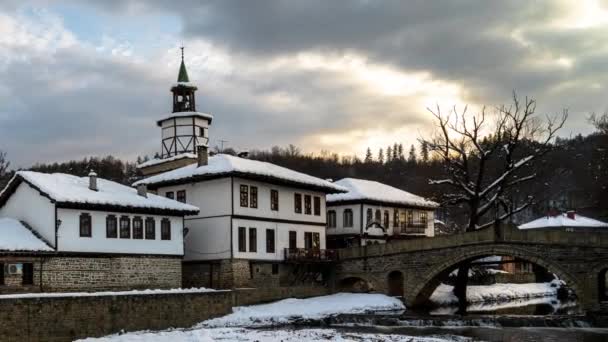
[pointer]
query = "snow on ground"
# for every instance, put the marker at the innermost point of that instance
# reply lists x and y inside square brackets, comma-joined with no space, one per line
[231,327]
[286,335]
[515,303]
[106,293]
[287,310]
[443,295]
[14,236]
[361,189]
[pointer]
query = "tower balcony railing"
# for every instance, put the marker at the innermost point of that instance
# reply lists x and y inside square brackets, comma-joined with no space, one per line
[310,255]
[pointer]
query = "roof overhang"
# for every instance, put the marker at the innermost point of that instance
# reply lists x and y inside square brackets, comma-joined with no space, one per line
[179,115]
[245,175]
[380,203]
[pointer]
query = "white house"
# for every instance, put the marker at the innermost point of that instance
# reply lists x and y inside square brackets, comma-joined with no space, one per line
[253,216]
[372,212]
[568,221]
[122,237]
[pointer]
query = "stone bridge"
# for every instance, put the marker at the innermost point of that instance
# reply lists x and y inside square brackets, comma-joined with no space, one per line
[417,266]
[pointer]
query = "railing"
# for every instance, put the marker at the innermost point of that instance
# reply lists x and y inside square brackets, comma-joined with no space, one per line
[412,228]
[310,255]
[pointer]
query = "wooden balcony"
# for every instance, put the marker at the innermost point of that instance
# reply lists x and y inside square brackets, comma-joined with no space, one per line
[412,228]
[313,255]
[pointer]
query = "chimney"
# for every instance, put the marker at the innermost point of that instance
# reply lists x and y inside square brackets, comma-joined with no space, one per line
[142,190]
[93,181]
[203,155]
[571,214]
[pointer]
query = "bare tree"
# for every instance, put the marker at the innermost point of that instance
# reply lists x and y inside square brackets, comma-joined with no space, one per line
[4,164]
[485,160]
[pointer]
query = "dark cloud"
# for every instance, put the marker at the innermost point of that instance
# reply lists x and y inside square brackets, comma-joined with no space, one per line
[74,103]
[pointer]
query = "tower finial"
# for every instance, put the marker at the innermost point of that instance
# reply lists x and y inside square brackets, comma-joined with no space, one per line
[182,47]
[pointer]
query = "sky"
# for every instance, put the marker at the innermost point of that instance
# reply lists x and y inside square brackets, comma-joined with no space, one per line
[80,79]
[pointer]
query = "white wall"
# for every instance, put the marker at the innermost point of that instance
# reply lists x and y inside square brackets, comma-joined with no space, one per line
[340,229]
[281,238]
[27,204]
[286,202]
[69,239]
[212,197]
[208,239]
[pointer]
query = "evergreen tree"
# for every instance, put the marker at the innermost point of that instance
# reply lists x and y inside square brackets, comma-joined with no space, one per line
[368,156]
[395,152]
[381,156]
[389,154]
[400,152]
[412,156]
[424,151]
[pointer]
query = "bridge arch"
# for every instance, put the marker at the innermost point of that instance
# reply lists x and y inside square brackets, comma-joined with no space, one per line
[425,287]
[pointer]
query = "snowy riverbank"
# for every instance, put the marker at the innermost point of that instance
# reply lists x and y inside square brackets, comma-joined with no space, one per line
[232,327]
[443,295]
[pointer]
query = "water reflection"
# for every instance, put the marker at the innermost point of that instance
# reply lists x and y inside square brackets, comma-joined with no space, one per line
[526,306]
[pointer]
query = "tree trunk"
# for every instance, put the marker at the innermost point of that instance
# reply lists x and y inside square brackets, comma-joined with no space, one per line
[460,287]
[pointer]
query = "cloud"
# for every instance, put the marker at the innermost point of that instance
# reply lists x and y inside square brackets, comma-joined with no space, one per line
[326,75]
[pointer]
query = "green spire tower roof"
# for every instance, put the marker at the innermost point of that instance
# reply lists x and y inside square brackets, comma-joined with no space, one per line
[183,74]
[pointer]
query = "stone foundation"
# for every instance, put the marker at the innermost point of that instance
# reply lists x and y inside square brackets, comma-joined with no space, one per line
[94,273]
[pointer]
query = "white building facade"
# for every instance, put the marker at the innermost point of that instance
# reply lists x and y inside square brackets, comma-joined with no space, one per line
[125,238]
[254,217]
[372,212]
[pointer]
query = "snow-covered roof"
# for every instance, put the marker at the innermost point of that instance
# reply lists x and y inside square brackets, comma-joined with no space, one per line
[185,114]
[562,220]
[226,165]
[184,84]
[164,160]
[366,190]
[68,189]
[14,236]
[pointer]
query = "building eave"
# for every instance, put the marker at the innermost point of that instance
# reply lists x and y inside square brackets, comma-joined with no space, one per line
[380,203]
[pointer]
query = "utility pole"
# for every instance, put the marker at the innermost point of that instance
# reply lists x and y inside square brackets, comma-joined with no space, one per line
[222,144]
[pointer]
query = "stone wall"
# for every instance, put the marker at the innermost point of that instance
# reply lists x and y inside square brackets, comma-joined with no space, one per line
[69,318]
[110,273]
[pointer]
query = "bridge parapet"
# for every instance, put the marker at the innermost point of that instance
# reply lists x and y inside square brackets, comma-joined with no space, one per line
[505,233]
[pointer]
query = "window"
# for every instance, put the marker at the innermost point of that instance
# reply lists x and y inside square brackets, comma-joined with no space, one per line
[395,218]
[111,227]
[85,225]
[317,205]
[370,215]
[293,239]
[201,132]
[386,218]
[410,218]
[269,240]
[181,196]
[297,199]
[307,205]
[165,229]
[253,240]
[254,197]
[423,218]
[274,200]
[170,194]
[347,218]
[125,227]
[138,228]
[244,196]
[316,240]
[275,268]
[331,219]
[150,228]
[378,216]
[242,239]
[307,240]
[27,270]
